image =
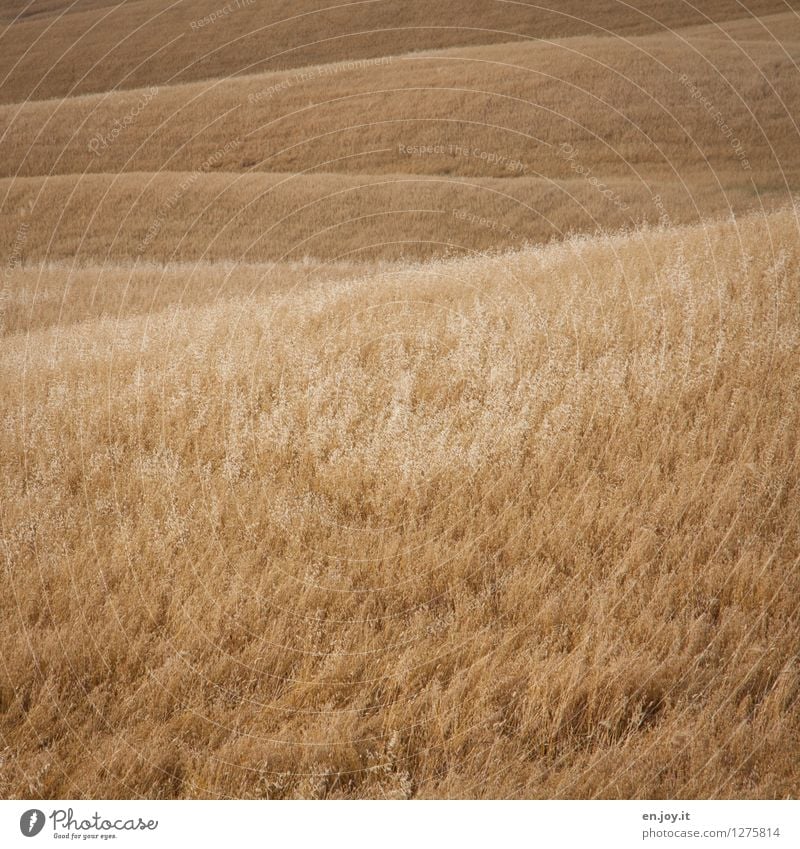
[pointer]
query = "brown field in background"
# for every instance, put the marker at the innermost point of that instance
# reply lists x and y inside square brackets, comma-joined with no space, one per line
[70,48]
[516,134]
[333,467]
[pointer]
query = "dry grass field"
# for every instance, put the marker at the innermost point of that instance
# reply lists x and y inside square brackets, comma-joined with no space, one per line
[400,400]
[58,48]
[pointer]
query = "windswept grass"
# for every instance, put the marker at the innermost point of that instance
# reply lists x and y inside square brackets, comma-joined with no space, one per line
[399,399]
[520,525]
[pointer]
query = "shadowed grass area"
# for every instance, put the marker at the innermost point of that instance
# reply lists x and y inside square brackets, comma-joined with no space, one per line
[90,46]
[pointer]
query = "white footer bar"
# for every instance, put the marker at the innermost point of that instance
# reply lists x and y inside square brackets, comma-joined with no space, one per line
[410,825]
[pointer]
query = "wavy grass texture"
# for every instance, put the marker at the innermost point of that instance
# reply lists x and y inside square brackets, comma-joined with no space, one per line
[332,218]
[621,102]
[61,48]
[511,526]
[399,399]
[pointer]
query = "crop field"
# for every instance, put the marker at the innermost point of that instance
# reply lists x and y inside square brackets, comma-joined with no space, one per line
[399,400]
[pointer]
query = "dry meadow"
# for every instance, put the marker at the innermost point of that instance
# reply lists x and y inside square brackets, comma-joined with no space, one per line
[396,407]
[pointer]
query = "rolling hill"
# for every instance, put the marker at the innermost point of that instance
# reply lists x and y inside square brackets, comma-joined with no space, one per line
[399,399]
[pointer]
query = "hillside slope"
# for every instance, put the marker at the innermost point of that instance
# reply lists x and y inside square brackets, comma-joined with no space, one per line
[165,217]
[88,46]
[412,156]
[628,105]
[521,525]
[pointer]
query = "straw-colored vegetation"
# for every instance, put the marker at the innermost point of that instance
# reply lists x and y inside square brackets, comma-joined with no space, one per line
[100,45]
[288,513]
[333,217]
[522,526]
[465,149]
[622,103]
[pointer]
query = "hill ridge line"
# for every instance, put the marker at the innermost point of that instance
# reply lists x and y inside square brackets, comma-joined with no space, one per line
[454,52]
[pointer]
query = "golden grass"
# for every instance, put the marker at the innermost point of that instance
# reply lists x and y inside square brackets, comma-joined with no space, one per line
[510,526]
[182,180]
[334,469]
[330,217]
[142,42]
[620,102]
[67,293]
